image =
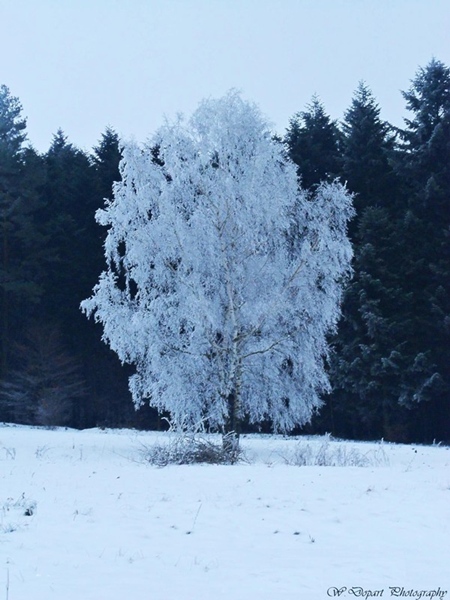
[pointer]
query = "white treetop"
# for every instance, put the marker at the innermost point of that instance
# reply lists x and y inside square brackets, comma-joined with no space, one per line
[223,278]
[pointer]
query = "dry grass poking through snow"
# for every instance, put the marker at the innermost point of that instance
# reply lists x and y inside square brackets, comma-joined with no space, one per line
[329,453]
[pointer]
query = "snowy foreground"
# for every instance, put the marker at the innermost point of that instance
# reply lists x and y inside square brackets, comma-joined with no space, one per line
[82,517]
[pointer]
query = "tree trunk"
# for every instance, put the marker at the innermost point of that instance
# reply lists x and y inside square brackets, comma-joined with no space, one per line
[4,307]
[232,431]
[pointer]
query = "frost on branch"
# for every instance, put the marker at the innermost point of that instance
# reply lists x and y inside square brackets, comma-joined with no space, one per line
[223,278]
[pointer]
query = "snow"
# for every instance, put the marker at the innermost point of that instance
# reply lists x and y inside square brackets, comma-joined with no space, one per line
[106,525]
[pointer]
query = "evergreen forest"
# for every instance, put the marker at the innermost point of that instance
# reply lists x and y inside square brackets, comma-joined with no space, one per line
[390,361]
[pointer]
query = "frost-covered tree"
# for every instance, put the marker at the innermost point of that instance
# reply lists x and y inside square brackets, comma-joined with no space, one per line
[223,278]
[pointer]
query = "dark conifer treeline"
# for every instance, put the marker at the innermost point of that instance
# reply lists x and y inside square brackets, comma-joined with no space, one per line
[54,369]
[390,369]
[390,364]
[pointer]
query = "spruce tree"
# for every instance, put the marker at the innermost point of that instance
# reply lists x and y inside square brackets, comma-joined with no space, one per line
[21,241]
[312,141]
[107,377]
[106,158]
[70,200]
[368,146]
[366,385]
[68,195]
[425,167]
[76,186]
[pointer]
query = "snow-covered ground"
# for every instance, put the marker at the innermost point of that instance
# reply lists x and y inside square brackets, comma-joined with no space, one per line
[82,517]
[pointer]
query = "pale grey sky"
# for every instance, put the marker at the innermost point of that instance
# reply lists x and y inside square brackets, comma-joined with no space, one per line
[84,64]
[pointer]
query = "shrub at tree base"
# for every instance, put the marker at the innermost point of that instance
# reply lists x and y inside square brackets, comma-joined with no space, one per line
[188,449]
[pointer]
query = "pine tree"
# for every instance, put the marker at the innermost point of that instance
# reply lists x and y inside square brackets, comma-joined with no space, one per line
[312,140]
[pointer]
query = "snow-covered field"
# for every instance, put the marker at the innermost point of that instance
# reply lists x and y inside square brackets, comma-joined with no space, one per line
[82,517]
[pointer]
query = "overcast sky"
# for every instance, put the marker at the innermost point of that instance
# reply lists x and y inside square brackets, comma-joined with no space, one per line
[84,64]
